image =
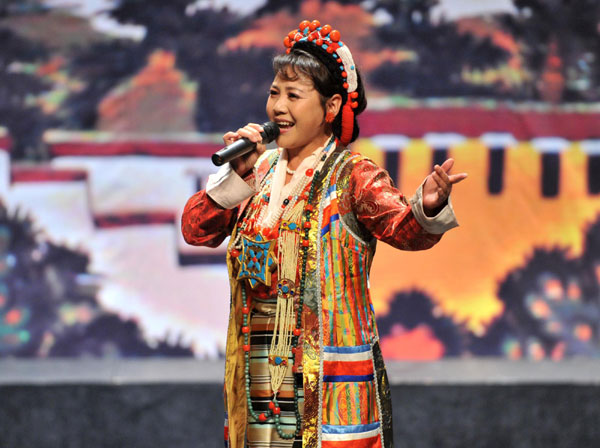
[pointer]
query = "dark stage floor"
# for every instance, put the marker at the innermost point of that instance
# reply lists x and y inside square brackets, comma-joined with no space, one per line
[162,403]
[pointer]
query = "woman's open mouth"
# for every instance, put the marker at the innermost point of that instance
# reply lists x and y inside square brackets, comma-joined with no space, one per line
[284,125]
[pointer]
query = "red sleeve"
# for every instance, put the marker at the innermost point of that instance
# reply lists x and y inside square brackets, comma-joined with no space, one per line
[384,211]
[204,222]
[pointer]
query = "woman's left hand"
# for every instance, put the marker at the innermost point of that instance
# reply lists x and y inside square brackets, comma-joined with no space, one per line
[438,186]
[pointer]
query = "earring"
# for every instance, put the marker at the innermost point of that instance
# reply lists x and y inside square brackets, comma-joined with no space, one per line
[329,117]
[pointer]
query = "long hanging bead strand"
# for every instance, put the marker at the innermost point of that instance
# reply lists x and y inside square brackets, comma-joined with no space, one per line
[298,330]
[246,347]
[274,409]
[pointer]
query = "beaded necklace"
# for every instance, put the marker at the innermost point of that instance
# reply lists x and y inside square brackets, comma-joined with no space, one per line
[255,220]
[249,221]
[299,209]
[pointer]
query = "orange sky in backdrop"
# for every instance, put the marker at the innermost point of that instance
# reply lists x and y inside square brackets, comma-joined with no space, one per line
[496,233]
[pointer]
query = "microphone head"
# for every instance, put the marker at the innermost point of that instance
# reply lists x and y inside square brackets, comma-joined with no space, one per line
[271,131]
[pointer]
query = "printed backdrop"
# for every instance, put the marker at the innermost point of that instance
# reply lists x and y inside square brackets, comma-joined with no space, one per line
[110,110]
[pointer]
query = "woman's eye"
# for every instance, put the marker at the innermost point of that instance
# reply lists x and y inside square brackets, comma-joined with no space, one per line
[272,92]
[293,96]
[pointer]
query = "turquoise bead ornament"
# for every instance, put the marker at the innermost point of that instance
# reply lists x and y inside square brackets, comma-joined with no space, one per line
[256,260]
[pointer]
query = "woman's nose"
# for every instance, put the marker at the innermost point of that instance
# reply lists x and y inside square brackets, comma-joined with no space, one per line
[280,106]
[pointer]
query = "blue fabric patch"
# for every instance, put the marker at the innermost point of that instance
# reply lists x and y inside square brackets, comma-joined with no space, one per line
[347,378]
[349,429]
[352,349]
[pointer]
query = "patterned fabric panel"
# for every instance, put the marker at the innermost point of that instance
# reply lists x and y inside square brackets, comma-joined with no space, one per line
[344,364]
[264,434]
[330,210]
[348,317]
[264,163]
[352,436]
[349,394]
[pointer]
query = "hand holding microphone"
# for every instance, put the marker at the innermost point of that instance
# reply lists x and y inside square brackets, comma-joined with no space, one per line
[245,146]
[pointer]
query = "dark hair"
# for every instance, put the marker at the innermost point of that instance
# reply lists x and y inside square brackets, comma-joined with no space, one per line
[321,68]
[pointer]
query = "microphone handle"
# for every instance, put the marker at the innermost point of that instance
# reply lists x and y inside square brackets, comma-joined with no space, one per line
[236,149]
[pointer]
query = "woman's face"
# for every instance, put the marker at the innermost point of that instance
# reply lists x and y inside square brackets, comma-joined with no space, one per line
[296,107]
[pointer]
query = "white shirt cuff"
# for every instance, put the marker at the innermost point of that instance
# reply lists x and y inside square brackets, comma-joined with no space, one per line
[227,188]
[440,223]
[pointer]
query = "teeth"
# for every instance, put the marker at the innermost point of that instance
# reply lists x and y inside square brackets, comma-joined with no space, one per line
[285,124]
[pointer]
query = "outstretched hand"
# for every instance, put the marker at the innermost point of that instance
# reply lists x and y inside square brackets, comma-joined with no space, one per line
[438,186]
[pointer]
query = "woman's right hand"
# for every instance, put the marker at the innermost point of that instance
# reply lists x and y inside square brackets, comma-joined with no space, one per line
[241,165]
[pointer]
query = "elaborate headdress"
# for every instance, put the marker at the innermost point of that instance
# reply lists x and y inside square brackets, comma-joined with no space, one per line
[332,52]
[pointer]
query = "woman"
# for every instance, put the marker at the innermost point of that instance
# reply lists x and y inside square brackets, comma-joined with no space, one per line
[303,364]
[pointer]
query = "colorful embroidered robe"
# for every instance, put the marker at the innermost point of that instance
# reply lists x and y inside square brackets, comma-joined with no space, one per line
[346,393]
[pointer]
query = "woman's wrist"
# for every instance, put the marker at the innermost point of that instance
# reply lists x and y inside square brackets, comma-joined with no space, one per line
[431,212]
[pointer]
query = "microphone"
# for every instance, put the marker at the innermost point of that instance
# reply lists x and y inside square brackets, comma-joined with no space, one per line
[244,146]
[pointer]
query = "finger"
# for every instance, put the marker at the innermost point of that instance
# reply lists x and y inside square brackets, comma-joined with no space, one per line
[260,148]
[443,189]
[438,169]
[444,186]
[258,127]
[447,165]
[441,195]
[230,137]
[436,178]
[456,178]
[250,133]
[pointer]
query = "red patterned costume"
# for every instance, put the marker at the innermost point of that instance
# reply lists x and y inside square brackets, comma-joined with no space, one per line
[372,198]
